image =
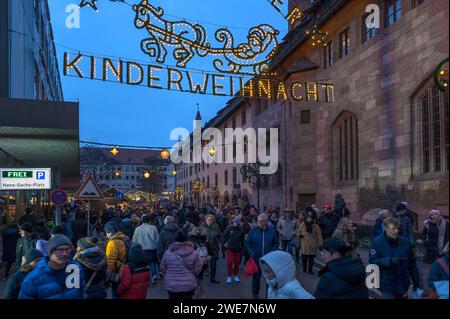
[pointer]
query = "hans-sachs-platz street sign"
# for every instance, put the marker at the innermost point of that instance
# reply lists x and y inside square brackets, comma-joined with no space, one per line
[25,178]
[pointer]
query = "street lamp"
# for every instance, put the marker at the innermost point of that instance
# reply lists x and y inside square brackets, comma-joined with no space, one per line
[256,180]
[146,174]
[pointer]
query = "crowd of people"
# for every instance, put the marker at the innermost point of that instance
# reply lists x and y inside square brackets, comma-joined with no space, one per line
[120,252]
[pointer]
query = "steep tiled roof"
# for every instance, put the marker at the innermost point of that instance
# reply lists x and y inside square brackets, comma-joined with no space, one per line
[125,156]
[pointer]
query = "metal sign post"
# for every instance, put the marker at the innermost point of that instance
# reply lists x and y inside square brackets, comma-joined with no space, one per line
[58,215]
[89,220]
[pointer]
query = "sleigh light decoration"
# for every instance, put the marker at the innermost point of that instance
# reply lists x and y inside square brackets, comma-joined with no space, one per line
[188,39]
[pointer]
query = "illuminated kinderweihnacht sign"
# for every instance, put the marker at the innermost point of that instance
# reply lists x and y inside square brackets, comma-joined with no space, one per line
[159,77]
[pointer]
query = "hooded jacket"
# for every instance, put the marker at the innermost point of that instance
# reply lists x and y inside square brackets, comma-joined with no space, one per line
[136,276]
[283,266]
[166,237]
[44,282]
[343,278]
[93,260]
[147,236]
[181,265]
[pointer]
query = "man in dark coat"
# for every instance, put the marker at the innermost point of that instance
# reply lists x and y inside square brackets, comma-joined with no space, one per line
[167,235]
[395,256]
[25,243]
[343,277]
[10,236]
[328,222]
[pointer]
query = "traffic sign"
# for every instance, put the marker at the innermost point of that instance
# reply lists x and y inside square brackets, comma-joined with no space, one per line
[89,190]
[59,197]
[119,196]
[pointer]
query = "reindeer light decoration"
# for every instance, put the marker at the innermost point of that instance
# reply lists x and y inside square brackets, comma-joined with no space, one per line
[188,39]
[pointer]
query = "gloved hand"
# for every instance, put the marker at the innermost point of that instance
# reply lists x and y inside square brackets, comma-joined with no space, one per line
[397,260]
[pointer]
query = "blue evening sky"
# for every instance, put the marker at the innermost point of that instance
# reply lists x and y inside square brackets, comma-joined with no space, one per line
[122,114]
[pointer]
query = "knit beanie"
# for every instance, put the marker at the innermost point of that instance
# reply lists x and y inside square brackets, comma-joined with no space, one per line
[57,241]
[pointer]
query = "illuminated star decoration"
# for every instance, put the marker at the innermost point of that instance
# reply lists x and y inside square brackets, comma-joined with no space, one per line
[90,3]
[114,151]
[318,36]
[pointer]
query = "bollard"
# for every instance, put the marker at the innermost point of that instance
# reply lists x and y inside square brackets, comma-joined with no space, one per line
[420,257]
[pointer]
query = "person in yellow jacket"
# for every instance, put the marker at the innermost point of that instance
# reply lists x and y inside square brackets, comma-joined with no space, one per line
[311,239]
[116,253]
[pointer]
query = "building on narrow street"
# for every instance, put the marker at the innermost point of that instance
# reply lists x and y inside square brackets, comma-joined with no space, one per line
[378,138]
[128,170]
[37,128]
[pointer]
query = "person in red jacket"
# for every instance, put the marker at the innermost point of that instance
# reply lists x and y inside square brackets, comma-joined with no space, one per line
[136,275]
